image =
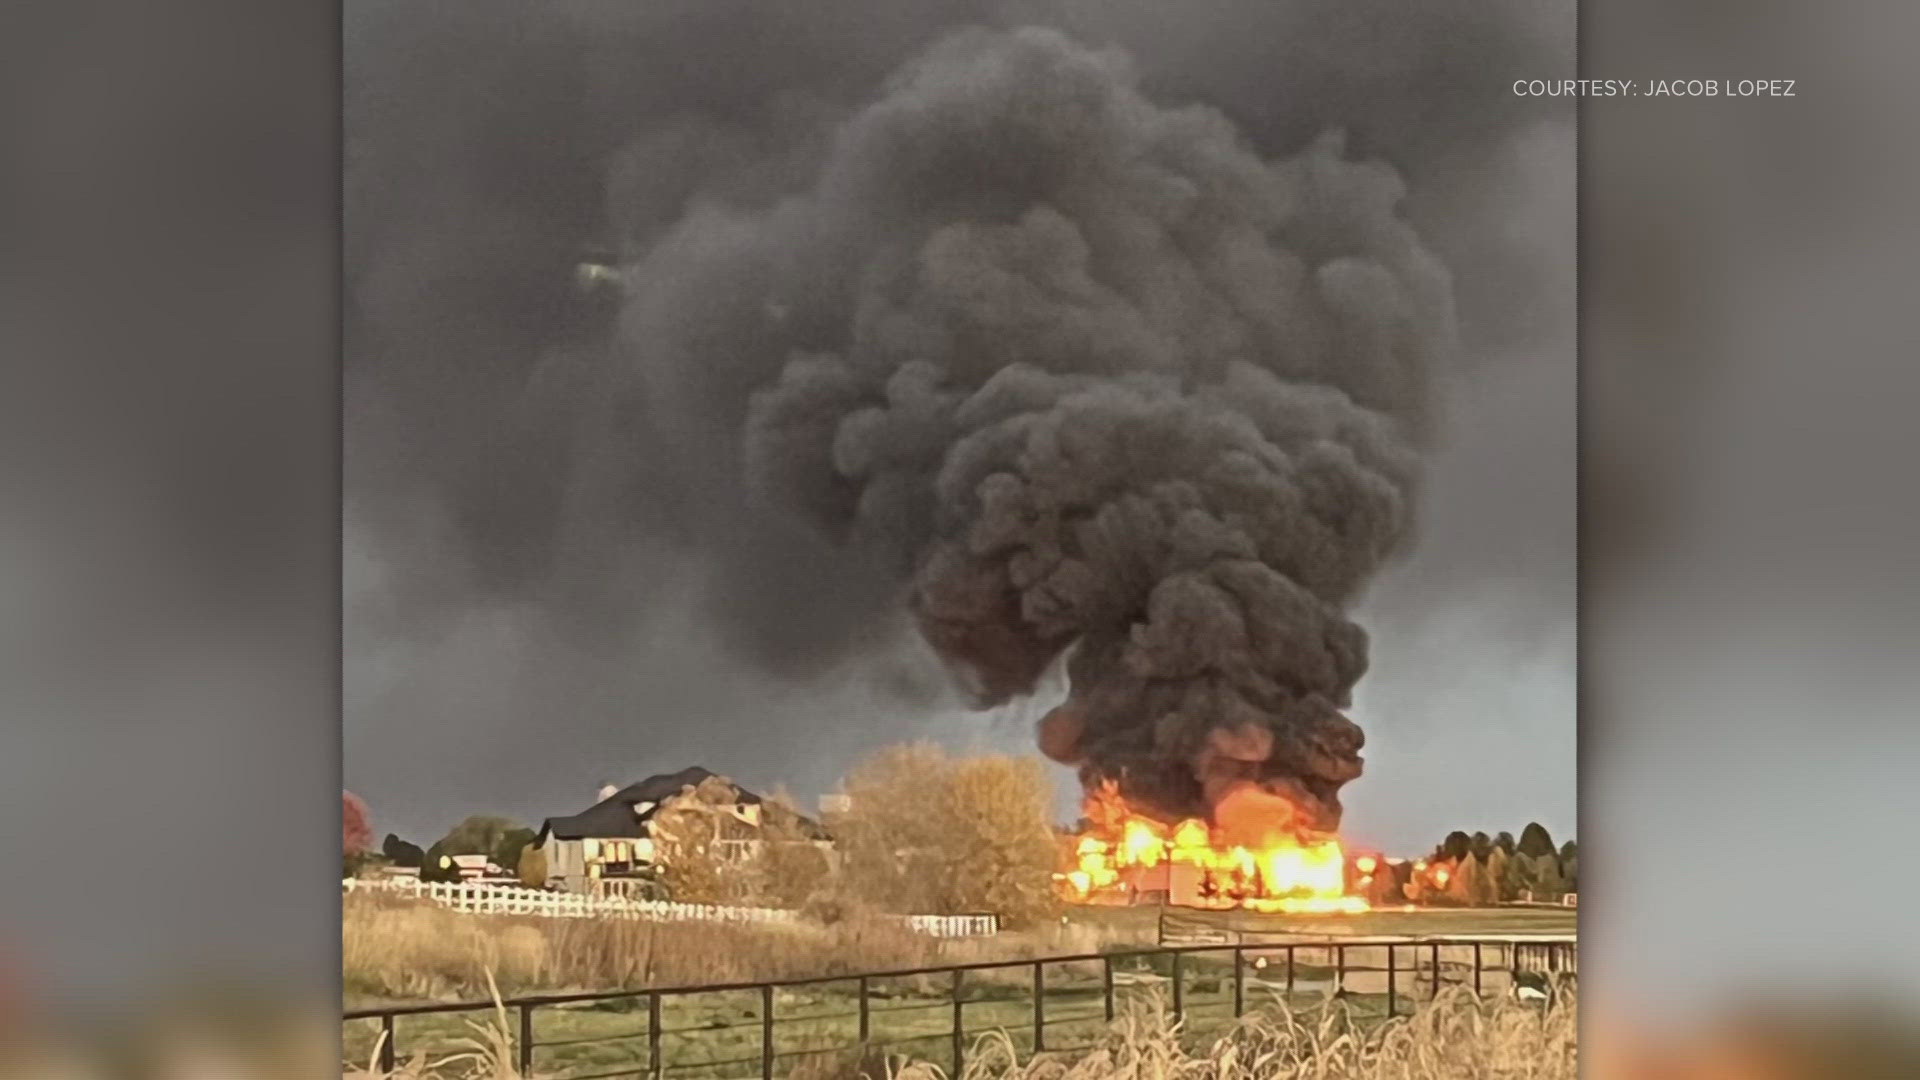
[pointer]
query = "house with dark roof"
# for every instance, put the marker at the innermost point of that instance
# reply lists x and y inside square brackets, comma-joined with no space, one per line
[614,846]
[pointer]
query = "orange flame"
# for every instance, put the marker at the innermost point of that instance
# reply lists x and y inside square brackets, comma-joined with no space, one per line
[1255,856]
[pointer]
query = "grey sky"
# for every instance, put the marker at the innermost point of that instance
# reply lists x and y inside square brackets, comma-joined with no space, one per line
[550,585]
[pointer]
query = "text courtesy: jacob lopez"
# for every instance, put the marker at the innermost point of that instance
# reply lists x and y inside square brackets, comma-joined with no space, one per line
[1734,88]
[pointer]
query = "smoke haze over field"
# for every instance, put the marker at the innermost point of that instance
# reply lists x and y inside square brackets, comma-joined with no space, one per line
[572,551]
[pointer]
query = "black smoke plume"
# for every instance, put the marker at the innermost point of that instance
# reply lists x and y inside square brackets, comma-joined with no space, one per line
[550,546]
[1097,379]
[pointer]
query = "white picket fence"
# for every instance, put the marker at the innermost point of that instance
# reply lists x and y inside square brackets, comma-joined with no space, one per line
[951,926]
[487,899]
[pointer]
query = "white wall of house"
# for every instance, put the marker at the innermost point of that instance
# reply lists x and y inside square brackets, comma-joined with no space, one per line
[576,863]
[564,861]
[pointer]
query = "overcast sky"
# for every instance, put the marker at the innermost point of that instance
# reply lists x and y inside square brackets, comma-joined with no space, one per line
[551,582]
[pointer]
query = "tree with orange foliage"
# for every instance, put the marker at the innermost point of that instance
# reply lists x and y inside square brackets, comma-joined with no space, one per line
[356,831]
[927,833]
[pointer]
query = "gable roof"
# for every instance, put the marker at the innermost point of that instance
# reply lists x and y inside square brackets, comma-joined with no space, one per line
[614,816]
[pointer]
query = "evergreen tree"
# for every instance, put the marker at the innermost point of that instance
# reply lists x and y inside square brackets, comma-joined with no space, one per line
[506,854]
[1457,846]
[1389,886]
[1468,885]
[1518,878]
[1480,846]
[1546,873]
[1570,865]
[401,853]
[1497,867]
[1504,842]
[1416,888]
[1534,841]
[478,835]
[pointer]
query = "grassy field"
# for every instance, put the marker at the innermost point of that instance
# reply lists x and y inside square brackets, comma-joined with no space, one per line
[403,951]
[718,1034]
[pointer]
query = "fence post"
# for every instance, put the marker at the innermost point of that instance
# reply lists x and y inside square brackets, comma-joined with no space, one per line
[766,1031]
[864,1030]
[387,1056]
[1436,968]
[526,1038]
[655,1067]
[1289,971]
[1339,971]
[1039,1006]
[959,1025]
[1106,983]
[1476,969]
[1179,987]
[1392,998]
[1239,979]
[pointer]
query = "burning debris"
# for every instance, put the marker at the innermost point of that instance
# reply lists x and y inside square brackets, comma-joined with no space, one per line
[1110,390]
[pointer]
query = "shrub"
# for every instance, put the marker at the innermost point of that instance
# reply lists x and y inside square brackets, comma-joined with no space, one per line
[437,865]
[532,868]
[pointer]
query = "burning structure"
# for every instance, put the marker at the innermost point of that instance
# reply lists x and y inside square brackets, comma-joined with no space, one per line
[1122,856]
[1104,390]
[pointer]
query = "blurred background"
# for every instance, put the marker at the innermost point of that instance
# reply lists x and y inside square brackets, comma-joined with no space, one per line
[1750,541]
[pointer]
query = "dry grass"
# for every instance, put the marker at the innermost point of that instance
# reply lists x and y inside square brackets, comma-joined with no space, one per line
[485,1054]
[1458,1036]
[1455,1037]
[401,949]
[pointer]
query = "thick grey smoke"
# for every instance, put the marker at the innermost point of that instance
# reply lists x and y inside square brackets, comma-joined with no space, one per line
[1103,378]
[554,554]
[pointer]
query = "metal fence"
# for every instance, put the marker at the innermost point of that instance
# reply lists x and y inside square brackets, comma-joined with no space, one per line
[1055,1003]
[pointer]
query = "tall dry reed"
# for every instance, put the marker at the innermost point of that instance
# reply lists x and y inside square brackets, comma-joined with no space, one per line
[402,949]
[1457,1036]
[399,948]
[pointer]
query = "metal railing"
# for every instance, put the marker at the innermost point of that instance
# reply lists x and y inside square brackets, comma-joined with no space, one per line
[1383,972]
